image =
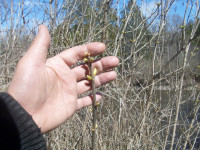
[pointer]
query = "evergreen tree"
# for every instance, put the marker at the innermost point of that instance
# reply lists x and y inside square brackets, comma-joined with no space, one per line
[136,34]
[86,23]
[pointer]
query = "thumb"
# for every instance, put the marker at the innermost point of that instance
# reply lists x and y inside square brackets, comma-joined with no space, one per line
[37,52]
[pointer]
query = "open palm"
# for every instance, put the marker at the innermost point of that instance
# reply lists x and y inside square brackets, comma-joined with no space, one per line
[48,88]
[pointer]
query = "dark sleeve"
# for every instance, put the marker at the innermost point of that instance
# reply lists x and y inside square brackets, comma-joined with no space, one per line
[18,131]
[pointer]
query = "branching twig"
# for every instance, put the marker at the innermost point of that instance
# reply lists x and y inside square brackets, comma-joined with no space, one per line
[91,78]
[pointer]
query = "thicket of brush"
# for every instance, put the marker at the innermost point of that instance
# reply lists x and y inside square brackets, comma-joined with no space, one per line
[154,103]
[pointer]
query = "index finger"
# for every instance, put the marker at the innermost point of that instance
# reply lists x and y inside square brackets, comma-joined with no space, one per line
[72,55]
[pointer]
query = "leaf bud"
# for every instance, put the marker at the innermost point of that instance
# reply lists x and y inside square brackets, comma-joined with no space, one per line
[85,60]
[95,71]
[89,77]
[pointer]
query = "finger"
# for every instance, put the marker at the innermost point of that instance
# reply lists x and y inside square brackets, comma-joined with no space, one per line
[101,65]
[72,55]
[37,52]
[86,101]
[100,80]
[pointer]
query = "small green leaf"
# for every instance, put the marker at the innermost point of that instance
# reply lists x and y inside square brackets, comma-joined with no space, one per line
[95,71]
[97,104]
[85,60]
[87,54]
[89,77]
[91,59]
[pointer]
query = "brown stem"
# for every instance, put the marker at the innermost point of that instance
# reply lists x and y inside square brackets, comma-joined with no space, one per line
[94,107]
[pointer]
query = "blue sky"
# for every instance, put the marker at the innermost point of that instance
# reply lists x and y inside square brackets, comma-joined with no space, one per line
[177,10]
[36,9]
[178,7]
[147,6]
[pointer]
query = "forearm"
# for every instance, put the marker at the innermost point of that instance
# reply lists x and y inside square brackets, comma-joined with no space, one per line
[17,128]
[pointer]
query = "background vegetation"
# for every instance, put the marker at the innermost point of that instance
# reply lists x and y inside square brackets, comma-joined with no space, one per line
[154,103]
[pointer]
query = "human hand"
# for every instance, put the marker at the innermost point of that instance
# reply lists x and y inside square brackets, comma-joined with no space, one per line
[48,88]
